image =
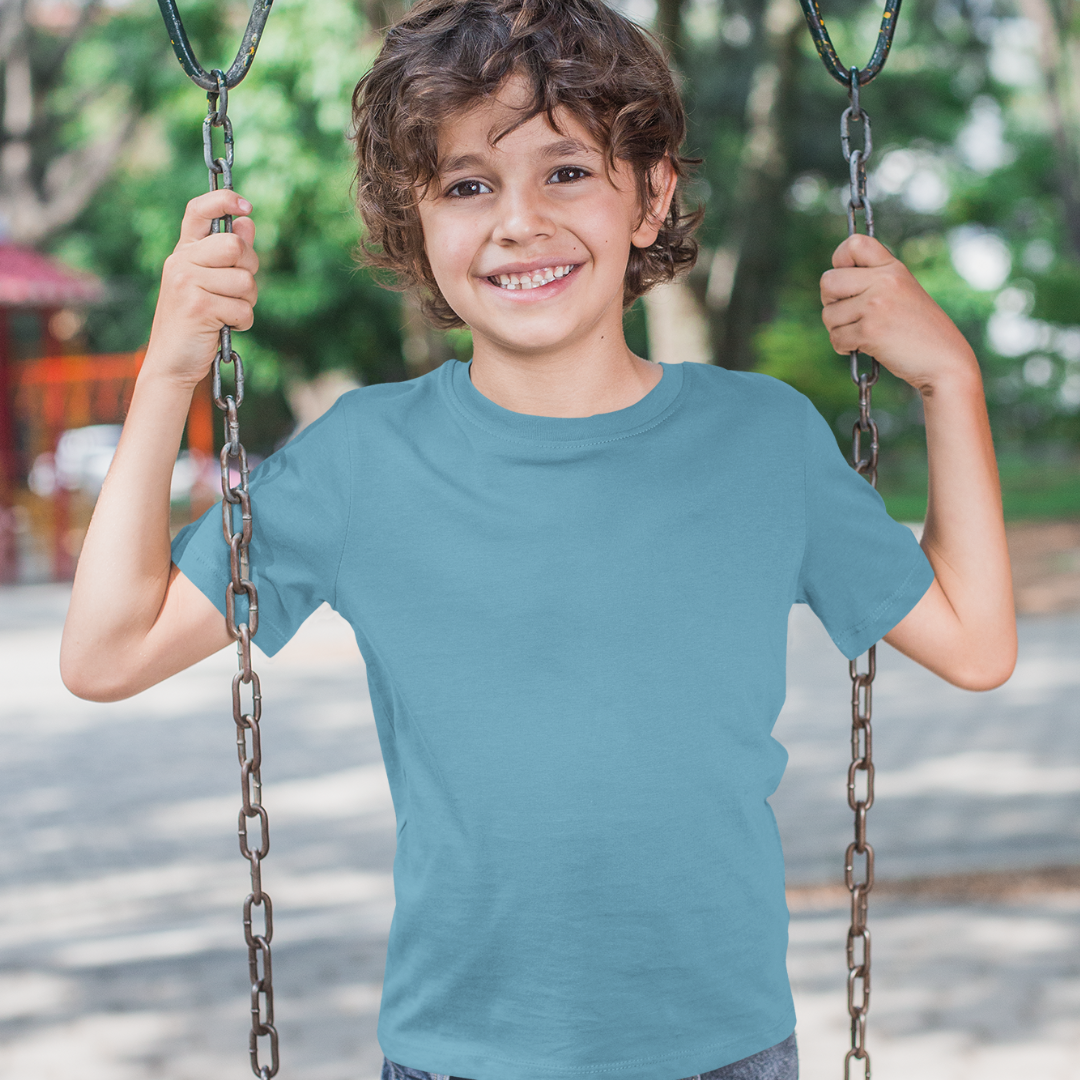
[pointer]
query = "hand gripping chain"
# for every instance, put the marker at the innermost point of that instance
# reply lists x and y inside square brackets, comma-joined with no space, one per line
[248,740]
[858,937]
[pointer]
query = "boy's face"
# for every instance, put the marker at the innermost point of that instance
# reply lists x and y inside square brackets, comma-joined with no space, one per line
[528,239]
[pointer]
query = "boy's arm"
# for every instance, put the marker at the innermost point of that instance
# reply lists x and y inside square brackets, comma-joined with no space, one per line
[964,628]
[134,619]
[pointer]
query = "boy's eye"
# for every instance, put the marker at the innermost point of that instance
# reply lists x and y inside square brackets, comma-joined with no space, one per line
[568,173]
[464,188]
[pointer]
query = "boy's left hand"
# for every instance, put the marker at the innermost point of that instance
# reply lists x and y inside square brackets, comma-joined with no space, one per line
[873,303]
[964,627]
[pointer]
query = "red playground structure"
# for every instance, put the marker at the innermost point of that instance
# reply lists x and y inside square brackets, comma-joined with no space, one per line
[51,391]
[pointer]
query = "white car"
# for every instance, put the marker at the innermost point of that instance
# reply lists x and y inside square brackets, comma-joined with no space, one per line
[83,456]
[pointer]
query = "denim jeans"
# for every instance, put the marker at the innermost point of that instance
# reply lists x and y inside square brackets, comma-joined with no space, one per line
[779,1062]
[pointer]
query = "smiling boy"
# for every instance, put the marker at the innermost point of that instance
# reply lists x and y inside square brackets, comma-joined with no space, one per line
[499,203]
[569,570]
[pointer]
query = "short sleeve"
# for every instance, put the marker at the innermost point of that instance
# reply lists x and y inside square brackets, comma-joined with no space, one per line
[300,508]
[861,572]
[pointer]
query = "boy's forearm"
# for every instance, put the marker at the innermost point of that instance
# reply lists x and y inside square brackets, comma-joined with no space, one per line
[964,534]
[131,621]
[124,565]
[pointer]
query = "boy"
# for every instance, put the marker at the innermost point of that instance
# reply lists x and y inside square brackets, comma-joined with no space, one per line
[569,570]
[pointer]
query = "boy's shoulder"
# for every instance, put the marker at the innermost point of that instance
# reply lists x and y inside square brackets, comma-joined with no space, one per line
[390,401]
[389,395]
[746,391]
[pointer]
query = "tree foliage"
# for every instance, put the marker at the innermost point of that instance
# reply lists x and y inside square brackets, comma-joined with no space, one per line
[63,120]
[317,311]
[971,181]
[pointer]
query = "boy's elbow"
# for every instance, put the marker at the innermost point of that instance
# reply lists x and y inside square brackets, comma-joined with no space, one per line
[92,678]
[90,686]
[988,670]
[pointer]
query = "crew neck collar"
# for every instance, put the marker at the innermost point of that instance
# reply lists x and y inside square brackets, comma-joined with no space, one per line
[643,414]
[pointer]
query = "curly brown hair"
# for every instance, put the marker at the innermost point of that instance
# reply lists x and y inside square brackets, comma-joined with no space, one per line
[577,55]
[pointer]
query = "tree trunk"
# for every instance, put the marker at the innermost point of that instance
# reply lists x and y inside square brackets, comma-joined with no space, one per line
[678,332]
[1059,57]
[44,188]
[423,347]
[669,27]
[763,182]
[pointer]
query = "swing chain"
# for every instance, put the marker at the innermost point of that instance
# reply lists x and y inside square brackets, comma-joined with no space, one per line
[859,200]
[217,84]
[857,158]
[248,736]
[858,937]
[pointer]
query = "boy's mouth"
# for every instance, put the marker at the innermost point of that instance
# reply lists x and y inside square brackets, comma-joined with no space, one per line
[534,279]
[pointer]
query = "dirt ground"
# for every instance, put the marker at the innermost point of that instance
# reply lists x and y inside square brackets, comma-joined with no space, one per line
[1046,566]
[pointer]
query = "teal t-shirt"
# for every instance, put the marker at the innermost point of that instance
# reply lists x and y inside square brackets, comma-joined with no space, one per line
[575,634]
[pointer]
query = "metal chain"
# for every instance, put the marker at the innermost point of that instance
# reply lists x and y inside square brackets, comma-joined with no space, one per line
[247,721]
[858,938]
[217,85]
[862,761]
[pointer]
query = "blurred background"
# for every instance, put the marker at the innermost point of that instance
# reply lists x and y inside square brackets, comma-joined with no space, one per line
[120,885]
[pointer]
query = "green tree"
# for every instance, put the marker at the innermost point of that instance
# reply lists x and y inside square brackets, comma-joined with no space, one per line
[67,111]
[976,121]
[291,115]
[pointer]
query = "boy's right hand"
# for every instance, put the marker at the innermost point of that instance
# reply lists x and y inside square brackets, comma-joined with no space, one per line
[206,283]
[134,619]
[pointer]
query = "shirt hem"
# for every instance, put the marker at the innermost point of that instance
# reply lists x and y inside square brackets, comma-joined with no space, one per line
[207,578]
[683,1063]
[889,612]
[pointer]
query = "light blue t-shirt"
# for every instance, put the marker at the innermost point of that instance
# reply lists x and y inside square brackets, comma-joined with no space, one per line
[575,632]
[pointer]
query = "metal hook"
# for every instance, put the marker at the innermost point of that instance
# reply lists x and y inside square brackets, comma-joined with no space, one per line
[827,52]
[185,54]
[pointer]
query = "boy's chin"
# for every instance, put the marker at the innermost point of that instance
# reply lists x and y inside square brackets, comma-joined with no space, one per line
[524,339]
[535,330]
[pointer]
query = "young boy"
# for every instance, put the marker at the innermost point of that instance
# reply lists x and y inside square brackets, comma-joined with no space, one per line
[569,570]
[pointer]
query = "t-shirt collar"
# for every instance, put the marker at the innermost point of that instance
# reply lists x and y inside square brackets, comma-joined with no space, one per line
[641,415]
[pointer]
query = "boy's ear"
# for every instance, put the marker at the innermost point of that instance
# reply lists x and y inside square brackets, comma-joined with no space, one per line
[664,180]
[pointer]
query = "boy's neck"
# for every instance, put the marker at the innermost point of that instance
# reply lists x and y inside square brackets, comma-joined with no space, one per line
[564,384]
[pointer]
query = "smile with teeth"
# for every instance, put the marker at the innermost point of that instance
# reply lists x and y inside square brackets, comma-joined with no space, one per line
[533,280]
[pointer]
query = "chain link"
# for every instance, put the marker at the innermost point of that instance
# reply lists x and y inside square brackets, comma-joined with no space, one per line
[858,938]
[248,737]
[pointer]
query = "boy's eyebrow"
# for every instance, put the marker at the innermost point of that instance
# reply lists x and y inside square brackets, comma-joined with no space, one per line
[558,149]
[460,162]
[567,147]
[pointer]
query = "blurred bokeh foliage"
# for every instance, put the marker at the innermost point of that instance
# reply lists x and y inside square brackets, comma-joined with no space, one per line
[975,128]
[317,311]
[973,179]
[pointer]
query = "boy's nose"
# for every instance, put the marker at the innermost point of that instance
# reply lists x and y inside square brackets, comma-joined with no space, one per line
[522,219]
